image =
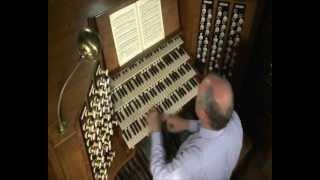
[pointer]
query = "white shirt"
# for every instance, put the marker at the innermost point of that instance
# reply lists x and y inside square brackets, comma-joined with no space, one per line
[206,154]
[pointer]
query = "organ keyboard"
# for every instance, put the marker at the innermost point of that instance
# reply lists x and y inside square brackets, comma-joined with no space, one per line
[162,79]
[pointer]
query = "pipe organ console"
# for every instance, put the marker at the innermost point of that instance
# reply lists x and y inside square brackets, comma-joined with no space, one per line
[199,37]
[161,79]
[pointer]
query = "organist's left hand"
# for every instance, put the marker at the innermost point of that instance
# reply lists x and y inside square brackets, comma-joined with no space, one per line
[154,120]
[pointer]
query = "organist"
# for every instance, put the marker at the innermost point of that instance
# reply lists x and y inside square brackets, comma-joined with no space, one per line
[212,151]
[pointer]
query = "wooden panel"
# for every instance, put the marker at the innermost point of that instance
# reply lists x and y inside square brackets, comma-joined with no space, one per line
[190,18]
[54,168]
[73,159]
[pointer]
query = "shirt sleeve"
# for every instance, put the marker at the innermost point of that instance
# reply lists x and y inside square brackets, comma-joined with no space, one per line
[177,169]
[194,126]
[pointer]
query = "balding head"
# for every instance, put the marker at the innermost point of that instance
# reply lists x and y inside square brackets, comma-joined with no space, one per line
[214,104]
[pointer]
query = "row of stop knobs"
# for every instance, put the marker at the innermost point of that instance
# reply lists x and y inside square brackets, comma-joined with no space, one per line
[98,125]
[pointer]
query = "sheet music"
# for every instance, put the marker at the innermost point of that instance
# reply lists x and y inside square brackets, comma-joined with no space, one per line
[151,22]
[126,33]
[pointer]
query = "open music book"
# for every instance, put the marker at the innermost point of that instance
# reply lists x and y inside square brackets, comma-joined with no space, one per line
[136,27]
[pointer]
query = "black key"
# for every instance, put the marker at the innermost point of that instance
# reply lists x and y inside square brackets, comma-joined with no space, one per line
[121,91]
[166,81]
[140,78]
[152,92]
[121,115]
[135,82]
[135,104]
[190,85]
[177,52]
[144,119]
[138,82]
[175,96]
[178,76]
[128,87]
[184,71]
[169,81]
[178,93]
[166,101]
[139,126]
[173,53]
[142,122]
[160,65]
[136,126]
[130,106]
[157,87]
[165,59]
[126,90]
[129,133]
[131,85]
[126,112]
[138,102]
[117,116]
[148,96]
[164,105]
[163,85]
[125,135]
[171,76]
[171,96]
[132,129]
[142,100]
[193,82]
[145,76]
[144,97]
[181,92]
[128,109]
[156,69]
[119,94]
[184,91]
[188,67]
[161,109]
[152,70]
[112,99]
[160,86]
[115,97]
[170,102]
[185,85]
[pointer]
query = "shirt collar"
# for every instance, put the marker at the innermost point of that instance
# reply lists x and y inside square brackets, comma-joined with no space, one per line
[209,133]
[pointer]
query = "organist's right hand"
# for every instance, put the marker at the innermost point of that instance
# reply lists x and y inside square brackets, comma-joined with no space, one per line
[175,124]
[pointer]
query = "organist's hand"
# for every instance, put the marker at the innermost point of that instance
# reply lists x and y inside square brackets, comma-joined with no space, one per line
[176,124]
[154,120]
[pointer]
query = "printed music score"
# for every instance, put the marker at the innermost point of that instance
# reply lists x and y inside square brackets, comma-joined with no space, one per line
[136,27]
